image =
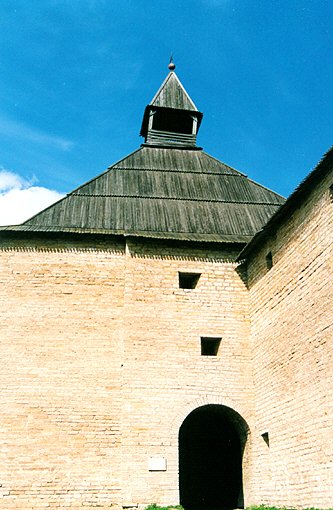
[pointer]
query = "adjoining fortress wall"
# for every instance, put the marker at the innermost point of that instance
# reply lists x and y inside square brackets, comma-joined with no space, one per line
[291,321]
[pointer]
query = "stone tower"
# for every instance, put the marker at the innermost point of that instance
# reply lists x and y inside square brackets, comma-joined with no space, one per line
[127,362]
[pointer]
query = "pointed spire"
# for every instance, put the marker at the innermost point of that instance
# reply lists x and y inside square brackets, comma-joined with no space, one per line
[172,94]
[171,118]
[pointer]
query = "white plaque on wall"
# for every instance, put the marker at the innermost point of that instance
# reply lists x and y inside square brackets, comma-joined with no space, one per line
[157,464]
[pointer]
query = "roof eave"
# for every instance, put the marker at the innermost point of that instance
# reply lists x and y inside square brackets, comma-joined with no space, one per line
[176,236]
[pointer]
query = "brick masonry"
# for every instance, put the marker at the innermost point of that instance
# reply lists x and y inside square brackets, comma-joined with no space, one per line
[61,308]
[291,336]
[101,363]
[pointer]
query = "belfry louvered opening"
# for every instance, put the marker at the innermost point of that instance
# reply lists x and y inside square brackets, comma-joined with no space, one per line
[174,121]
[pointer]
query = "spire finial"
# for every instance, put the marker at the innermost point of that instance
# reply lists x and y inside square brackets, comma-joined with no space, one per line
[171,65]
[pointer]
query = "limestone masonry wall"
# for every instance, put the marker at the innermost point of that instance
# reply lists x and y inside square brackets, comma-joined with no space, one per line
[101,363]
[165,376]
[291,321]
[60,427]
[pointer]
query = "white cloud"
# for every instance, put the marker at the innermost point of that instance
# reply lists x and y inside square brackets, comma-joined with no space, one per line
[9,180]
[18,130]
[20,199]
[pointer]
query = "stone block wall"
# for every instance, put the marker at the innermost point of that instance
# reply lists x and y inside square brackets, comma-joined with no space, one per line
[101,363]
[61,309]
[291,336]
[165,375]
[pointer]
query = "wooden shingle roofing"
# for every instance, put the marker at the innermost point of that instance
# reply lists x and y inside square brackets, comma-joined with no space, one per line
[172,94]
[163,193]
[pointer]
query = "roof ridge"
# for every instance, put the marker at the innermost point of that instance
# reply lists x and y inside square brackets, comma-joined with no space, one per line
[245,175]
[105,171]
[81,186]
[225,164]
[265,187]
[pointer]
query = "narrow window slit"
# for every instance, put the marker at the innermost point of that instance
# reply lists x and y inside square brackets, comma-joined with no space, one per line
[269,260]
[210,345]
[265,437]
[188,280]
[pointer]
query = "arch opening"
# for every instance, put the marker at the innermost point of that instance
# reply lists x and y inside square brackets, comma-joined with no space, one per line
[211,445]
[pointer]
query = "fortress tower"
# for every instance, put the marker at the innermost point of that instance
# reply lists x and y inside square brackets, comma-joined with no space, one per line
[148,337]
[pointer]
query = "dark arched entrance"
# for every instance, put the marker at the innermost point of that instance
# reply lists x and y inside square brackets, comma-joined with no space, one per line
[211,445]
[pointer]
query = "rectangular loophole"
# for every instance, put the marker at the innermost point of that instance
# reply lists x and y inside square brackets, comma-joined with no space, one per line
[265,437]
[188,280]
[210,345]
[269,260]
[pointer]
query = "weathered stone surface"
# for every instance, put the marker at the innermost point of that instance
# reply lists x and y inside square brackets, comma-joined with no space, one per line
[291,319]
[101,363]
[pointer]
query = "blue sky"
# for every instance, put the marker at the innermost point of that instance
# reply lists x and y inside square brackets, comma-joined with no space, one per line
[76,76]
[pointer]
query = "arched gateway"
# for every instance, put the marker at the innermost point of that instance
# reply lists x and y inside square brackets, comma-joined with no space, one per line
[211,445]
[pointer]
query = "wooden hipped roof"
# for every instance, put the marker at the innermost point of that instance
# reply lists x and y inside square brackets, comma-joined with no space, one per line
[163,193]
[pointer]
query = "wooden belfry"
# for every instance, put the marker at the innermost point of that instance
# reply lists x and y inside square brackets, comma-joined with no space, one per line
[171,118]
